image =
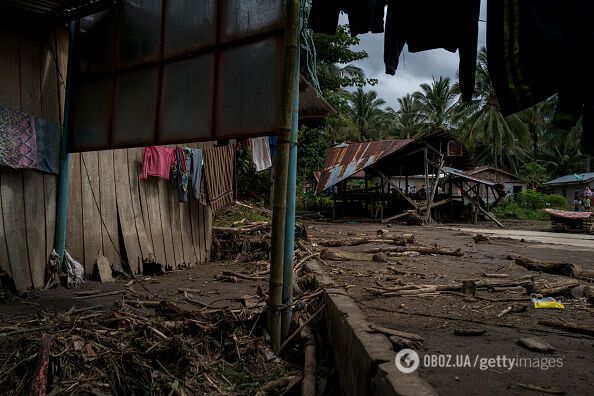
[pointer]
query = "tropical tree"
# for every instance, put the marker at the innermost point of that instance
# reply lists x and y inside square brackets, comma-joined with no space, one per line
[436,105]
[367,114]
[495,138]
[407,117]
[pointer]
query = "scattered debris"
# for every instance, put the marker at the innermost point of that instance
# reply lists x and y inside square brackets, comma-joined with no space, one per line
[103,269]
[556,268]
[469,332]
[515,308]
[567,326]
[380,258]
[547,302]
[421,250]
[543,389]
[478,238]
[536,344]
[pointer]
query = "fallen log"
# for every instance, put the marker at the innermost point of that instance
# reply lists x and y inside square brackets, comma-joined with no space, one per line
[397,333]
[551,287]
[556,268]
[244,229]
[568,326]
[419,249]
[242,276]
[400,241]
[39,385]
[308,386]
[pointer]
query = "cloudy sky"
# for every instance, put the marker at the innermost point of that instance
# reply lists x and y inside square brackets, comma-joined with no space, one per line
[413,69]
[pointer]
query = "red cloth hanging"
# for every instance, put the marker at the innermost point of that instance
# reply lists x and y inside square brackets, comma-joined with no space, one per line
[157,162]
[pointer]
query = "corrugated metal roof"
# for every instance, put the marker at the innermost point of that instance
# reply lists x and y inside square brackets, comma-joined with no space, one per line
[572,179]
[491,168]
[345,160]
[311,104]
[64,9]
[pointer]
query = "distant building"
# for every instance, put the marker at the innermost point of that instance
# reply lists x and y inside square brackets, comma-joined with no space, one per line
[511,182]
[566,185]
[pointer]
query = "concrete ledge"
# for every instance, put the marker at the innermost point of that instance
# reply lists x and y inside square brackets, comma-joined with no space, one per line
[364,360]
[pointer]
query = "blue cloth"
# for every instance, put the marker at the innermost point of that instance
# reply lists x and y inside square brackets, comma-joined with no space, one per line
[272,144]
[196,172]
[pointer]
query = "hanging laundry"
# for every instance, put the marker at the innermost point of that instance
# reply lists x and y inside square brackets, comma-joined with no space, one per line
[28,142]
[219,171]
[180,171]
[261,153]
[196,171]
[323,17]
[431,24]
[366,16]
[157,161]
[539,48]
[272,144]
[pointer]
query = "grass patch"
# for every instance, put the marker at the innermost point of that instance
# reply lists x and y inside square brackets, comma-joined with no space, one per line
[238,213]
[530,205]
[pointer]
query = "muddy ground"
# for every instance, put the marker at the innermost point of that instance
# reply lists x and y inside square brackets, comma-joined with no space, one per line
[436,317]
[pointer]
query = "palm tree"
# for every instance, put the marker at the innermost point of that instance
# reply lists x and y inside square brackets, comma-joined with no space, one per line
[436,104]
[408,117]
[367,114]
[497,139]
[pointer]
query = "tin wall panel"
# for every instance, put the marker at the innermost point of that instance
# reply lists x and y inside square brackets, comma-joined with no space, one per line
[241,18]
[186,101]
[134,108]
[189,25]
[95,47]
[91,115]
[140,32]
[249,89]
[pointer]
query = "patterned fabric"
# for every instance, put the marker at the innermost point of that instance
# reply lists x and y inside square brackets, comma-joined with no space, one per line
[28,142]
[180,172]
[565,214]
[219,172]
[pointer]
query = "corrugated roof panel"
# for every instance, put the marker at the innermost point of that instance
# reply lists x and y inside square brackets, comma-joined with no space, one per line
[573,178]
[344,161]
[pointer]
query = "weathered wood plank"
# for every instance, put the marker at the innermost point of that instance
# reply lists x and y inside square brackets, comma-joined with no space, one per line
[195,215]
[74,230]
[49,190]
[186,233]
[164,193]
[90,200]
[30,86]
[9,97]
[176,232]
[153,211]
[138,199]
[4,261]
[13,210]
[33,191]
[207,230]
[109,211]
[126,212]
[62,55]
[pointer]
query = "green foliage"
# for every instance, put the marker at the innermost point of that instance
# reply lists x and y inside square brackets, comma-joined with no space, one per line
[313,143]
[310,201]
[250,184]
[529,205]
[533,174]
[235,213]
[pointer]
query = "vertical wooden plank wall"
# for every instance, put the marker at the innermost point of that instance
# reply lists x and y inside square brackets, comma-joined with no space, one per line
[147,214]
[29,68]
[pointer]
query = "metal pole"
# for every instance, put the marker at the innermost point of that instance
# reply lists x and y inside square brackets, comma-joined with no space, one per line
[279,207]
[63,178]
[290,217]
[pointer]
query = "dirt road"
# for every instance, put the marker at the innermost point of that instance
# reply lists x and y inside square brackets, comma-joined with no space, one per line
[436,317]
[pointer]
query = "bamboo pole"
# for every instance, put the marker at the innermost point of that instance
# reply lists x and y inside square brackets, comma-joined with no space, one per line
[428,218]
[281,174]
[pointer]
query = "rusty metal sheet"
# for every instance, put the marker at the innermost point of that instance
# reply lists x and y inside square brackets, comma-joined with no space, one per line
[346,160]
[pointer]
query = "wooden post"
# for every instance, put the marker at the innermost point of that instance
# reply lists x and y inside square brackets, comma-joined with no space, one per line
[281,175]
[426,160]
[477,205]
[433,191]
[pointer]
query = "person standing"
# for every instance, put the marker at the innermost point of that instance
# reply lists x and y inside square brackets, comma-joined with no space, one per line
[587,199]
[576,200]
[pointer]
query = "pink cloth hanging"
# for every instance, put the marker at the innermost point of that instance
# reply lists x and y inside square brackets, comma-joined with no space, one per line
[157,162]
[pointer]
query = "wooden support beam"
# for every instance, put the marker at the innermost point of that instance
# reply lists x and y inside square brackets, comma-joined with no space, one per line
[391,183]
[477,205]
[433,191]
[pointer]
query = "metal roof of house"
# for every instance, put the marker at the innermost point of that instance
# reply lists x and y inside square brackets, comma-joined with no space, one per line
[60,9]
[456,173]
[311,104]
[346,160]
[571,179]
[489,168]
